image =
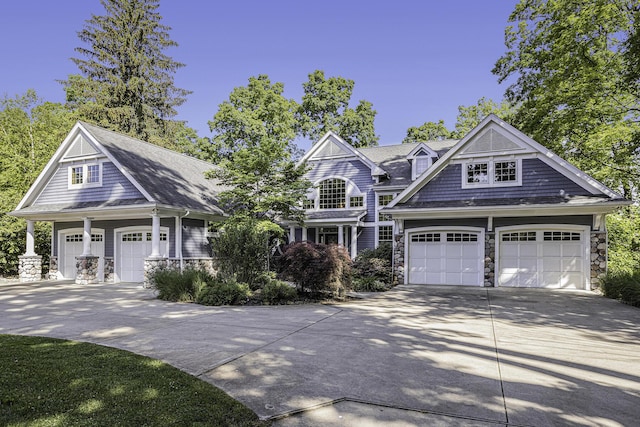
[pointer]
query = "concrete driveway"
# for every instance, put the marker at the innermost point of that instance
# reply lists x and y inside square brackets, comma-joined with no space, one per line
[412,356]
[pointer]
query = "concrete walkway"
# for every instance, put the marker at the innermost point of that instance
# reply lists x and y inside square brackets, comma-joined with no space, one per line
[414,356]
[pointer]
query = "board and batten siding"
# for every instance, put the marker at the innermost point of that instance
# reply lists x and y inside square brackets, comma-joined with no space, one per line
[538,180]
[110,226]
[353,170]
[115,186]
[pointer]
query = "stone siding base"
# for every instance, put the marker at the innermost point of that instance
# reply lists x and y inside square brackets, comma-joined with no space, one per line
[87,270]
[598,259]
[153,265]
[30,268]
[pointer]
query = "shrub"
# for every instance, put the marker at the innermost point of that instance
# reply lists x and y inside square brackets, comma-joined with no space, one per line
[317,267]
[373,265]
[369,284]
[224,293]
[174,285]
[623,286]
[278,292]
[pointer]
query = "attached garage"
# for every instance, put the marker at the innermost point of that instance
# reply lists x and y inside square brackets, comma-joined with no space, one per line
[550,257]
[132,247]
[446,257]
[70,244]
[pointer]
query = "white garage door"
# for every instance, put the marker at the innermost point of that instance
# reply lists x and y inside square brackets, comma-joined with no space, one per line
[446,258]
[542,259]
[71,247]
[133,248]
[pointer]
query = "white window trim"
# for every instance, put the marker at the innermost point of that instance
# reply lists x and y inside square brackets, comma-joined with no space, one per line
[85,175]
[491,174]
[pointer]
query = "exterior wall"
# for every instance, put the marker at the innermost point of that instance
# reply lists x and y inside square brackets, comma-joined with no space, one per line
[598,257]
[538,180]
[115,186]
[586,220]
[446,222]
[194,239]
[30,268]
[366,238]
[489,259]
[398,259]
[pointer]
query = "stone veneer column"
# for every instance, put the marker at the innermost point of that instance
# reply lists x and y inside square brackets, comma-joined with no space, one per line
[109,275]
[30,268]
[598,258]
[151,266]
[87,269]
[53,267]
[398,259]
[489,259]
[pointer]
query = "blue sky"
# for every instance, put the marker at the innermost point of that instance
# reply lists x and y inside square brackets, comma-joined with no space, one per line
[415,60]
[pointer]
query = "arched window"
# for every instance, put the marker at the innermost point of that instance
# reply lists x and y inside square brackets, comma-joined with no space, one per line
[333,194]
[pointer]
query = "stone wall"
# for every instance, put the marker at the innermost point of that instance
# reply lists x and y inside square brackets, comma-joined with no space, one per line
[53,268]
[398,259]
[87,270]
[109,274]
[489,259]
[598,258]
[30,268]
[152,265]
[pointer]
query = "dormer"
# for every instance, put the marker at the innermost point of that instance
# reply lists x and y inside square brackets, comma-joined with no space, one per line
[421,159]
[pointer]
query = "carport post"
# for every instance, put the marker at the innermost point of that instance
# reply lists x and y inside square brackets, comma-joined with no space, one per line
[155,235]
[31,245]
[86,237]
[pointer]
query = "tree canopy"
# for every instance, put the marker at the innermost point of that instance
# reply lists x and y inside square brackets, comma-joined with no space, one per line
[126,80]
[253,146]
[571,63]
[325,107]
[428,131]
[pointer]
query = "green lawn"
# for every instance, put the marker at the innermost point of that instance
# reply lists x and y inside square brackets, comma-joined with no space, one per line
[51,382]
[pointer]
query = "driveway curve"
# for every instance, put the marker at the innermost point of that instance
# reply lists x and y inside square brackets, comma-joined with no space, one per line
[410,357]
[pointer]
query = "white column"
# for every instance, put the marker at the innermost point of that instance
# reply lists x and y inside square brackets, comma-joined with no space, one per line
[31,241]
[354,241]
[86,237]
[304,234]
[155,235]
[178,247]
[341,235]
[292,234]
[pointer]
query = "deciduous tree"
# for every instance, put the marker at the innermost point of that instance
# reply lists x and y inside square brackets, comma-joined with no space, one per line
[428,131]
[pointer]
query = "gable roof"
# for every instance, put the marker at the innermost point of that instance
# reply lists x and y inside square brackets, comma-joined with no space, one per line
[519,142]
[164,177]
[333,147]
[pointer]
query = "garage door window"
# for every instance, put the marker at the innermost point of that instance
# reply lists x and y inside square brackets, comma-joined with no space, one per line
[132,237]
[78,238]
[426,237]
[523,236]
[462,237]
[556,236]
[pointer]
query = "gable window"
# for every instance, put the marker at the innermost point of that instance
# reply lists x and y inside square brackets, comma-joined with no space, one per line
[492,173]
[421,164]
[87,175]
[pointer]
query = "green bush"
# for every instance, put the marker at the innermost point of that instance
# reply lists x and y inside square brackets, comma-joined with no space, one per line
[623,286]
[173,285]
[278,292]
[369,284]
[318,268]
[224,293]
[373,265]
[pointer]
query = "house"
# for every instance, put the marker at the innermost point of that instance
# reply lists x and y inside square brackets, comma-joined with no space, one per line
[119,208]
[495,208]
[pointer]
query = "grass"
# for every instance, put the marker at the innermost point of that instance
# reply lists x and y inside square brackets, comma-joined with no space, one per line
[51,382]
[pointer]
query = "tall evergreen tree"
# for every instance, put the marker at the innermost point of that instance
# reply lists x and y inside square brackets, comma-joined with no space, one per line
[127,81]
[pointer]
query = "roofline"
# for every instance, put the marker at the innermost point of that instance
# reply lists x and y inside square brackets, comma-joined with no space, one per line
[375,169]
[507,210]
[548,157]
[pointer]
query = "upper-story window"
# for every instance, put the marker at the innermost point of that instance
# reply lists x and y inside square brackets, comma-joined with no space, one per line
[86,175]
[384,200]
[333,194]
[492,173]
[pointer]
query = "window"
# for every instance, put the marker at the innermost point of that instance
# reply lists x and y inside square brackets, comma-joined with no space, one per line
[132,237]
[163,237]
[78,238]
[89,175]
[522,236]
[385,233]
[478,173]
[505,171]
[356,201]
[555,236]
[426,237]
[422,164]
[309,204]
[462,237]
[384,200]
[332,194]
[490,173]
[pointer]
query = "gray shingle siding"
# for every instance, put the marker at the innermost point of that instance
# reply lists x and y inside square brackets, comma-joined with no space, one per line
[538,180]
[194,241]
[115,186]
[446,222]
[367,238]
[499,222]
